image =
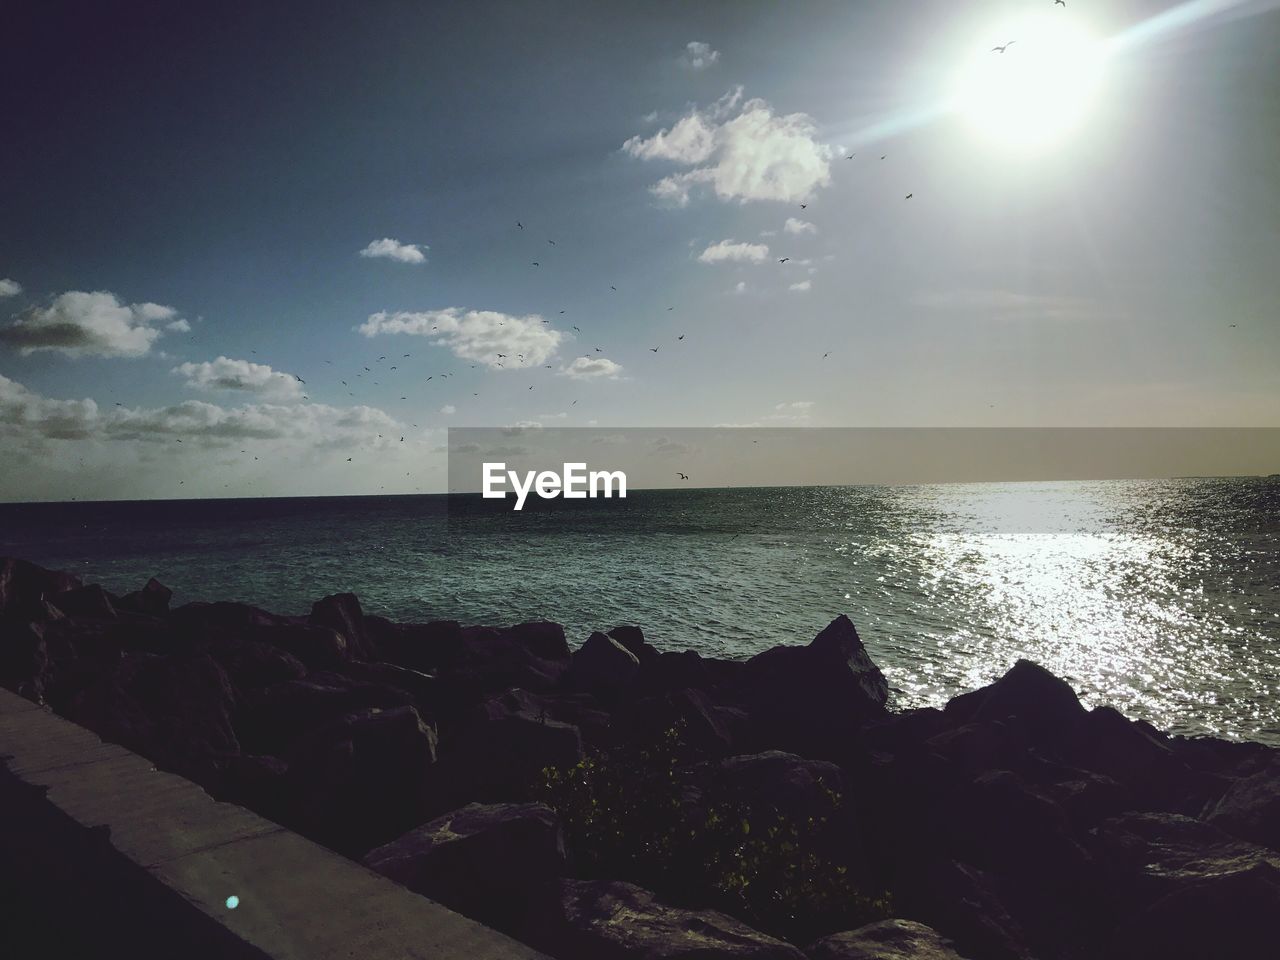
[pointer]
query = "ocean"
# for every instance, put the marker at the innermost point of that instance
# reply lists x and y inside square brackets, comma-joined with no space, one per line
[1158,597]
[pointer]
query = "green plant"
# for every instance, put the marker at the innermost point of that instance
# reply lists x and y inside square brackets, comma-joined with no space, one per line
[631,814]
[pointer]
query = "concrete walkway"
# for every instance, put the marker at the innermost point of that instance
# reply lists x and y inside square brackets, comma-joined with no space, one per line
[180,855]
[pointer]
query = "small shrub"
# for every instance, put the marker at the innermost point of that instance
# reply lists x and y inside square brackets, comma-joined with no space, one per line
[627,815]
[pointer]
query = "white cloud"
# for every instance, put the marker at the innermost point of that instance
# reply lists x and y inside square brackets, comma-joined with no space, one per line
[794,405]
[479,335]
[80,324]
[743,151]
[699,55]
[740,287]
[9,288]
[592,368]
[734,251]
[801,287]
[178,326]
[395,250]
[243,375]
[28,415]
[448,409]
[797,227]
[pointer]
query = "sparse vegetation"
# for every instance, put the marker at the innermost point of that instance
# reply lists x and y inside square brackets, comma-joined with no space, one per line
[633,814]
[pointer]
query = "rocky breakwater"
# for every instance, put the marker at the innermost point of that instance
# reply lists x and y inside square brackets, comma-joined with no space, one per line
[621,801]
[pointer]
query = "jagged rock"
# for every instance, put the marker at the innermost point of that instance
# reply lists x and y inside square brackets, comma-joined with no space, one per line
[886,940]
[1046,704]
[980,745]
[633,639]
[90,603]
[24,660]
[1139,756]
[152,600]
[707,727]
[774,780]
[422,687]
[813,699]
[24,585]
[1091,797]
[363,779]
[223,617]
[317,646]
[542,638]
[489,662]
[253,664]
[607,920]
[670,671]
[175,710]
[416,646]
[604,667]
[341,612]
[490,862]
[1250,808]
[274,718]
[965,902]
[500,748]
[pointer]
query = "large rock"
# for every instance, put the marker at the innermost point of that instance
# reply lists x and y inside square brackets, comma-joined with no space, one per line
[604,667]
[319,647]
[542,638]
[417,646]
[500,747]
[490,661]
[633,639]
[1251,807]
[363,779]
[1045,704]
[709,728]
[274,718]
[488,861]
[89,602]
[812,700]
[607,920]
[175,710]
[341,612]
[152,600]
[886,940]
[23,587]
[1139,756]
[253,664]
[969,905]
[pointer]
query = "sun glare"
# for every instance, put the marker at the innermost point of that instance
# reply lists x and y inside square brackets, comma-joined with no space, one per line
[1032,85]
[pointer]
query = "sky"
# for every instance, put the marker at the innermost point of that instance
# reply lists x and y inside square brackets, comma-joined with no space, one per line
[242,243]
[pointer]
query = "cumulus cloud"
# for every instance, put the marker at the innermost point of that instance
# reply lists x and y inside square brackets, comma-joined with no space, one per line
[178,326]
[26,414]
[741,150]
[479,335]
[734,251]
[448,409]
[699,55]
[740,287]
[797,227]
[9,288]
[80,324]
[243,375]
[801,287]
[395,250]
[592,368]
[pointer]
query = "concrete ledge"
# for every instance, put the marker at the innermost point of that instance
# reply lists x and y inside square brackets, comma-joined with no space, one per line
[154,850]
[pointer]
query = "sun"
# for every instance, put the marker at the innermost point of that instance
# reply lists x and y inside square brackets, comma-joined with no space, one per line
[1038,91]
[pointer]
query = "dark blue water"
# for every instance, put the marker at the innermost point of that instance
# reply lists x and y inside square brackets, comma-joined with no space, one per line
[1159,597]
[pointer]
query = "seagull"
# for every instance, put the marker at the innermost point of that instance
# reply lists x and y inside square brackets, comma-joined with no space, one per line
[402,439]
[536,264]
[579,329]
[654,349]
[613,288]
[784,259]
[682,476]
[825,355]
[993,50]
[552,242]
[519,224]
[348,459]
[803,206]
[681,337]
[909,196]
[851,156]
[598,350]
[1059,3]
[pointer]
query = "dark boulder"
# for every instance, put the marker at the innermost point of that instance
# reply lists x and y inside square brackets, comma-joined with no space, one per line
[1045,704]
[542,638]
[968,905]
[341,612]
[363,779]
[174,710]
[886,940]
[490,862]
[422,687]
[23,587]
[633,639]
[223,617]
[487,663]
[607,920]
[1137,755]
[671,671]
[24,660]
[89,603]
[498,750]
[274,718]
[151,601]
[252,664]
[603,667]
[706,727]
[813,699]
[417,646]
[1250,808]
[319,647]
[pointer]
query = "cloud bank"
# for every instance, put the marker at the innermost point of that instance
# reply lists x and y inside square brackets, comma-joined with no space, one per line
[498,340]
[79,324]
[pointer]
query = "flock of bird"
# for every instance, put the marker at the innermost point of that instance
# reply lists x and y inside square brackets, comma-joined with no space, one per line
[520,360]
